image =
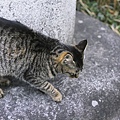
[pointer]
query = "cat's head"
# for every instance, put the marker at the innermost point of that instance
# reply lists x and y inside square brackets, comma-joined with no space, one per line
[70,60]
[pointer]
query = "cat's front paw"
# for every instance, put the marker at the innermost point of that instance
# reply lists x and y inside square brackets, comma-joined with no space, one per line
[1,93]
[57,97]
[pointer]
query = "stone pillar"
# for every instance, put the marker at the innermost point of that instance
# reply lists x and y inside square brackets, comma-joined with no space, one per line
[54,18]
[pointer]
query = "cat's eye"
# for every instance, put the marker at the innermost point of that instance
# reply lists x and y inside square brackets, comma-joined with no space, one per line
[68,56]
[65,61]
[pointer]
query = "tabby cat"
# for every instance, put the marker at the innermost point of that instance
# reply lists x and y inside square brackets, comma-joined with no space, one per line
[35,58]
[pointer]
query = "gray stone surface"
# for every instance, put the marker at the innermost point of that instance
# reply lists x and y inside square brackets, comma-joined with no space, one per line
[94,96]
[54,18]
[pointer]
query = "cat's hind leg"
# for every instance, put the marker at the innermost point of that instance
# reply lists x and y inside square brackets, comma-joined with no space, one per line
[1,93]
[3,82]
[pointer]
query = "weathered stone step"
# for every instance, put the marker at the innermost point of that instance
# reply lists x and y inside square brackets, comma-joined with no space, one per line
[94,96]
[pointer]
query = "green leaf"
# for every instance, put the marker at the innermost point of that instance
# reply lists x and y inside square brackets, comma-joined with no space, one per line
[100,16]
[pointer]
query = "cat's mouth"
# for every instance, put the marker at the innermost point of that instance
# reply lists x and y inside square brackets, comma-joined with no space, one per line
[73,75]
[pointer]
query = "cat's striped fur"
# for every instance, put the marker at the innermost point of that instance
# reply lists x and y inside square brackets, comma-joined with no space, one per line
[35,58]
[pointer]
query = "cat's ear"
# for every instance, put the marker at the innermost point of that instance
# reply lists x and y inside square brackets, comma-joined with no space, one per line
[81,45]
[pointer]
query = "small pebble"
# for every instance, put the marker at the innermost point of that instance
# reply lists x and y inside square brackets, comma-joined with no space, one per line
[94,103]
[102,28]
[80,21]
[99,36]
